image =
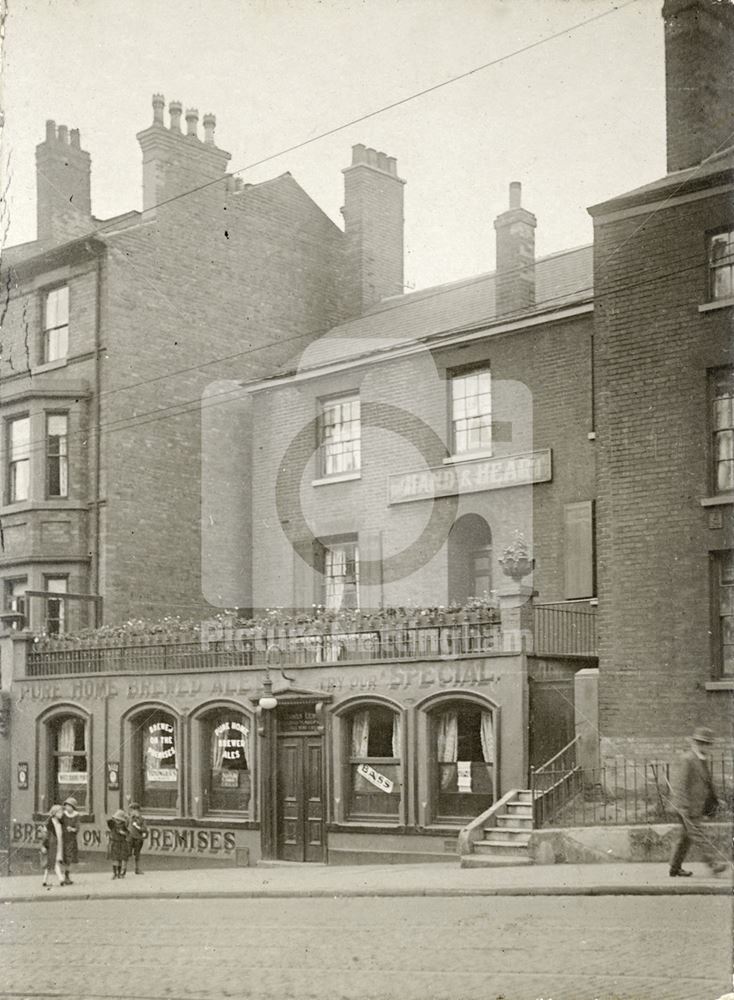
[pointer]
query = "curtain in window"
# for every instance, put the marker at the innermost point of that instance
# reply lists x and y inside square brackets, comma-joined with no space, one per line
[245,737]
[360,733]
[397,730]
[447,743]
[66,745]
[336,572]
[487,735]
[217,748]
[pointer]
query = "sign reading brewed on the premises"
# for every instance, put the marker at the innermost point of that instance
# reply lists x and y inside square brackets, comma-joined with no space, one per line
[470,477]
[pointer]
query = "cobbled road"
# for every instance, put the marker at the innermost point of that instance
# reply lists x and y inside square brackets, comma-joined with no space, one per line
[557,948]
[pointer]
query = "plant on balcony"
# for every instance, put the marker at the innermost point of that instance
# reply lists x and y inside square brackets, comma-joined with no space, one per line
[516,561]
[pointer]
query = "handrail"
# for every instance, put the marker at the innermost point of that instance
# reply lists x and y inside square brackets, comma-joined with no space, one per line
[568,746]
[471,833]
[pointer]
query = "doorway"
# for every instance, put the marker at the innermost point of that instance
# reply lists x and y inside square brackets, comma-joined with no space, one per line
[300,806]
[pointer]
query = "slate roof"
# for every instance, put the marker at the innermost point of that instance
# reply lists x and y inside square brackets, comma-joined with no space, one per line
[561,279]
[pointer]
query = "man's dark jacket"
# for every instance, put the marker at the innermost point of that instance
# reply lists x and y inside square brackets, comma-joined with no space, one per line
[693,790]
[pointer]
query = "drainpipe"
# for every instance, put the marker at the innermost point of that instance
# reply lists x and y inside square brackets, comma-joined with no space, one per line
[97,457]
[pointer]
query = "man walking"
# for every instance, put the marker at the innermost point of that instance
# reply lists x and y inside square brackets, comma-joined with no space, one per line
[694,797]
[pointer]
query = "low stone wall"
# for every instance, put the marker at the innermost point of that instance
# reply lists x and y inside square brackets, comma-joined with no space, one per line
[605,844]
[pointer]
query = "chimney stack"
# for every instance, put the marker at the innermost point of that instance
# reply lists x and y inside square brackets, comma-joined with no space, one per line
[373,229]
[174,163]
[515,272]
[63,186]
[699,79]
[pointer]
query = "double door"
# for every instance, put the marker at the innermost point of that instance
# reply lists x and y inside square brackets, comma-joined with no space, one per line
[300,807]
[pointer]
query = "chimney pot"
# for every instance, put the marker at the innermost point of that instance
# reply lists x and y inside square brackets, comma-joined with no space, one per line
[50,130]
[159,103]
[175,110]
[75,138]
[210,123]
[372,157]
[192,120]
[392,166]
[382,161]
[515,194]
[63,134]
[359,153]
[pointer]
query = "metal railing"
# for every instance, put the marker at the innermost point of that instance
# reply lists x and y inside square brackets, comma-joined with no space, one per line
[565,630]
[554,782]
[260,647]
[619,793]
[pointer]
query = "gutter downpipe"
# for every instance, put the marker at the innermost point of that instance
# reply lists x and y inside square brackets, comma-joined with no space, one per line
[97,458]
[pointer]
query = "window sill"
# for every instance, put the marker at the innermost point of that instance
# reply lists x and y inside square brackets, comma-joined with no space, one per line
[49,366]
[722,685]
[467,456]
[716,304]
[718,501]
[345,477]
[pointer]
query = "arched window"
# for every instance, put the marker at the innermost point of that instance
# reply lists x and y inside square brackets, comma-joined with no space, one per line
[155,760]
[470,558]
[373,754]
[68,760]
[225,759]
[462,740]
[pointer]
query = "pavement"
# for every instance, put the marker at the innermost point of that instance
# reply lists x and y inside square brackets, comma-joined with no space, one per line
[283,880]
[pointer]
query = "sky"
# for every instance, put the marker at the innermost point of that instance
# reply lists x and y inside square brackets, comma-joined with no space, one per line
[576,119]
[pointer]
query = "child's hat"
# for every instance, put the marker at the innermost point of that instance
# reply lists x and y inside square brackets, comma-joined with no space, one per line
[120,814]
[71,801]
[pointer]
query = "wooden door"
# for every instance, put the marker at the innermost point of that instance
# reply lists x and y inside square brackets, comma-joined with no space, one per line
[300,798]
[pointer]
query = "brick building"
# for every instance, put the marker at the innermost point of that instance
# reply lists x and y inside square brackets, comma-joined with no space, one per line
[663,265]
[113,332]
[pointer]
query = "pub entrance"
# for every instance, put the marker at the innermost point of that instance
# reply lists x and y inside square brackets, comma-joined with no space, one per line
[300,784]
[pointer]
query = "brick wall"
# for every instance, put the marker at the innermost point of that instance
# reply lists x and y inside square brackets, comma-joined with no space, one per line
[654,539]
[552,366]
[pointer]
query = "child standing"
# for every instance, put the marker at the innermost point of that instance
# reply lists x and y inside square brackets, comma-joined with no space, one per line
[52,847]
[119,846]
[138,833]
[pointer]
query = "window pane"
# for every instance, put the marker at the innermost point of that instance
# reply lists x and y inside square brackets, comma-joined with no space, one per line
[57,308]
[20,438]
[70,773]
[340,436]
[227,752]
[157,762]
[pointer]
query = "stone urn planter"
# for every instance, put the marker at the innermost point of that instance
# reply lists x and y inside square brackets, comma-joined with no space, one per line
[516,561]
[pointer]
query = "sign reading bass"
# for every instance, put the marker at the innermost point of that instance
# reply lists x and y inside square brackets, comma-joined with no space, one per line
[471,477]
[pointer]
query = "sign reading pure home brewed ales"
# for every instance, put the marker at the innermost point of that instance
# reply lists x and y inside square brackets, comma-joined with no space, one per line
[470,477]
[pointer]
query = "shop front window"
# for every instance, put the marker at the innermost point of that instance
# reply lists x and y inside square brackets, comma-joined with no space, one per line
[375,770]
[69,775]
[463,742]
[226,762]
[156,757]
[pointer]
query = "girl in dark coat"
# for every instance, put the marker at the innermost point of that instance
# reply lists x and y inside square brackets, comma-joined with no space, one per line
[52,846]
[119,843]
[70,824]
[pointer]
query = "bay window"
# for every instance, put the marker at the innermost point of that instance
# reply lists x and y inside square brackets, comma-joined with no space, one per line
[57,469]
[19,459]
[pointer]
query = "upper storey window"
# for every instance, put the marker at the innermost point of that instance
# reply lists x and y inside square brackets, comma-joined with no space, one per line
[19,450]
[721,265]
[340,437]
[471,411]
[723,428]
[56,324]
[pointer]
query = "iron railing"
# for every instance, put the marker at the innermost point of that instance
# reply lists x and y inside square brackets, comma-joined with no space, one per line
[565,630]
[260,647]
[554,782]
[620,792]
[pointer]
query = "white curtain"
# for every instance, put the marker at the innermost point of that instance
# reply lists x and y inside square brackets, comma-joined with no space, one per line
[447,746]
[360,733]
[447,743]
[218,748]
[487,735]
[245,737]
[397,730]
[336,573]
[66,745]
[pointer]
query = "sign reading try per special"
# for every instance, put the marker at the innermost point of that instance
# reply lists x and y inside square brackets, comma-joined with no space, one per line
[470,477]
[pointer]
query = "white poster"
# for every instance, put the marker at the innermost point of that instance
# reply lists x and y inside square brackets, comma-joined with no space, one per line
[463,775]
[161,774]
[72,777]
[383,783]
